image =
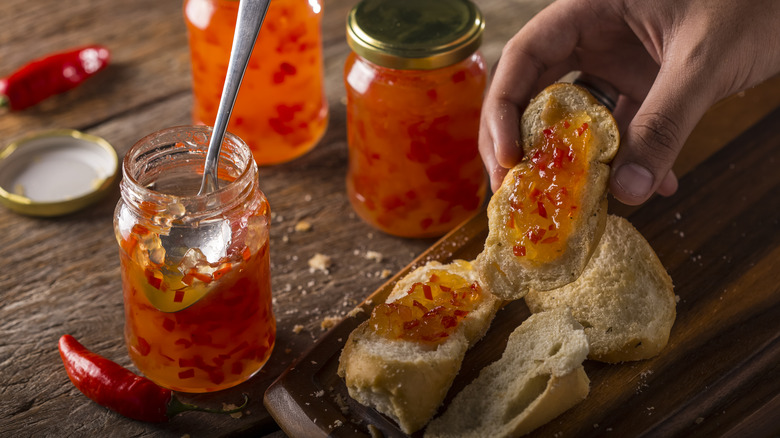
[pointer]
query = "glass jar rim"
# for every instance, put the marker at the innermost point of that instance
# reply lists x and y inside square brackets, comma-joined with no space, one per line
[158,144]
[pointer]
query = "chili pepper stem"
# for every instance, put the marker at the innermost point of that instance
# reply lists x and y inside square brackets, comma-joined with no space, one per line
[176,406]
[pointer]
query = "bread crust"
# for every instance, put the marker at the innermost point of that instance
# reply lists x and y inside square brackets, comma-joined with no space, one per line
[624,297]
[539,376]
[511,276]
[405,380]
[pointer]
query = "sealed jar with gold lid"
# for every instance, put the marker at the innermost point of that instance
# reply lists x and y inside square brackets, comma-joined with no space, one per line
[415,81]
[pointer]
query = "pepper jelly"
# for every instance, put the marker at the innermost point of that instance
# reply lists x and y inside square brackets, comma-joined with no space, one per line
[195,268]
[415,82]
[281,111]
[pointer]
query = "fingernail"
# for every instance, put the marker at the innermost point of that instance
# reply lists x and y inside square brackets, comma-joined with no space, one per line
[634,179]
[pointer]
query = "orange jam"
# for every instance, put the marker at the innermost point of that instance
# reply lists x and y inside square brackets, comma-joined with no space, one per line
[198,326]
[414,166]
[281,111]
[546,192]
[430,311]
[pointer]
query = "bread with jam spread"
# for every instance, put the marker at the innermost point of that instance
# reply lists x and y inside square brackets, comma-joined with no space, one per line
[549,213]
[407,377]
[624,298]
[539,376]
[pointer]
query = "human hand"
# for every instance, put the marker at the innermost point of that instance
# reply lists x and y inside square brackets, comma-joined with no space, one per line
[670,60]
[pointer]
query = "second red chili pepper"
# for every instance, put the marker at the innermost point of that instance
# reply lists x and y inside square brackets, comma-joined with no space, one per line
[51,75]
[117,388]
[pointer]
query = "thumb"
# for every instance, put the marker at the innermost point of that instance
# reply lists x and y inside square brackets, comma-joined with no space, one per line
[653,139]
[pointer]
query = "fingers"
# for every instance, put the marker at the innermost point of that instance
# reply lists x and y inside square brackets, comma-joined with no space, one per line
[541,50]
[653,139]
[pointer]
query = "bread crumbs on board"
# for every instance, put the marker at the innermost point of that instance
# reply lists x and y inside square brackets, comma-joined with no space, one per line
[230,406]
[302,226]
[329,321]
[320,262]
[374,255]
[354,312]
[297,328]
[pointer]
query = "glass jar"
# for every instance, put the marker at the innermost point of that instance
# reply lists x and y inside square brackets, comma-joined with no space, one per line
[281,110]
[415,82]
[195,268]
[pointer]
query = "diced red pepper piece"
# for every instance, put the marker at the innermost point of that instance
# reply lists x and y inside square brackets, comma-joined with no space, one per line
[408,325]
[152,279]
[518,250]
[449,321]
[459,76]
[139,230]
[427,291]
[143,348]
[222,271]
[168,324]
[187,374]
[542,210]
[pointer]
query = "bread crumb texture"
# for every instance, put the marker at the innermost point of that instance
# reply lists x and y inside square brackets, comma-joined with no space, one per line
[624,297]
[302,226]
[539,376]
[320,262]
[329,321]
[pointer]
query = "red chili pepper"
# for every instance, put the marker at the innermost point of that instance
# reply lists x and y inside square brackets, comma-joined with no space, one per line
[51,75]
[117,388]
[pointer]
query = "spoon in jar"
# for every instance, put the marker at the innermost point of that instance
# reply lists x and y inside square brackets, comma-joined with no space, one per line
[250,18]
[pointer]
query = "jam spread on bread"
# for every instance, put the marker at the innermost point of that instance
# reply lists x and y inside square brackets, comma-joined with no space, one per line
[546,192]
[430,311]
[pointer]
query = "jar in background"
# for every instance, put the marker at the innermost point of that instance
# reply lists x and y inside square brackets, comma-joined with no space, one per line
[195,268]
[415,83]
[281,111]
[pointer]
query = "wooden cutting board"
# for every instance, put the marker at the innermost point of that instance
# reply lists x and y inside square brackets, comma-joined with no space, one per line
[718,376]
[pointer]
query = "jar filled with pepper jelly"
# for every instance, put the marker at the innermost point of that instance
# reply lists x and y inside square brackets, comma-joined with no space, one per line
[415,81]
[195,268]
[281,111]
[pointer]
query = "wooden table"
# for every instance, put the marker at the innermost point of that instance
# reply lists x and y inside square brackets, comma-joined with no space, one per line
[61,275]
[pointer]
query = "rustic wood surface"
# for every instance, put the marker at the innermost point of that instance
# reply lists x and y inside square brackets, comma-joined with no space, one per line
[61,275]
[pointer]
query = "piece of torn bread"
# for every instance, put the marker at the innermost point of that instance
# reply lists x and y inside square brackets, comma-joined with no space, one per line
[404,379]
[504,265]
[539,376]
[624,298]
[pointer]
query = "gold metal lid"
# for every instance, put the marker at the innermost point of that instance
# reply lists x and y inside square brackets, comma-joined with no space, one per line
[56,172]
[415,34]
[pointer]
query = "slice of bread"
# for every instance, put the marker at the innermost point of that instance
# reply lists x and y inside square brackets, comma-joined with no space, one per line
[539,376]
[405,379]
[624,298]
[575,215]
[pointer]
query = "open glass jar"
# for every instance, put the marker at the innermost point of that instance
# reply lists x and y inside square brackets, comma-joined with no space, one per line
[281,110]
[415,82]
[195,268]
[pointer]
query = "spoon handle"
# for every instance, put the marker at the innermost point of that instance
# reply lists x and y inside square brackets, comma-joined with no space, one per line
[249,20]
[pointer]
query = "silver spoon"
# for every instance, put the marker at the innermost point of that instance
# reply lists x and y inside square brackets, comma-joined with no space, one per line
[250,18]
